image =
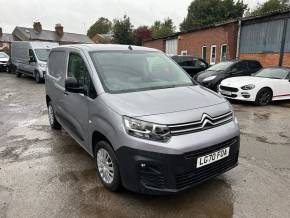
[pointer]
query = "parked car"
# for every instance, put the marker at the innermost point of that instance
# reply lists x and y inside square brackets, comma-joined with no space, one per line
[149,127]
[30,58]
[269,84]
[4,59]
[212,77]
[190,64]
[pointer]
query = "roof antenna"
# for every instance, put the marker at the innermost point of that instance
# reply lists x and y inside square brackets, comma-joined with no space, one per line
[130,47]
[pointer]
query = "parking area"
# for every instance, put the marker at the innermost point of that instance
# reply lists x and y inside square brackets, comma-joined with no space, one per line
[45,173]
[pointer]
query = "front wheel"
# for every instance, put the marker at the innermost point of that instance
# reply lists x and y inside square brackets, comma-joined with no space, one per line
[264,97]
[107,166]
[37,77]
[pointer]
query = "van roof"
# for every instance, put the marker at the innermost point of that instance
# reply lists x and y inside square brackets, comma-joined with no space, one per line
[107,47]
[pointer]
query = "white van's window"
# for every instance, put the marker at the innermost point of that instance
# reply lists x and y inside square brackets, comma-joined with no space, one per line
[131,71]
[42,54]
[56,66]
[3,55]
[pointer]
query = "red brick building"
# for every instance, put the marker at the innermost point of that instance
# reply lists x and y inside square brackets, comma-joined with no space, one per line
[265,38]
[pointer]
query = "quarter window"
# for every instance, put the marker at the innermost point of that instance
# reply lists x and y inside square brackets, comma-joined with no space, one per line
[224,50]
[213,54]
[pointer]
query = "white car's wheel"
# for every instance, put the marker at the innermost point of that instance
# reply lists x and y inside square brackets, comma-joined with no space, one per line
[264,97]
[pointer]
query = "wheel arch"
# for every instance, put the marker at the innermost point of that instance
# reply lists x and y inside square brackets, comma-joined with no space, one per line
[98,136]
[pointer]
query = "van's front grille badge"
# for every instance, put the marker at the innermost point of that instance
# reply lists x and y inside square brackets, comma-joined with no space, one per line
[206,122]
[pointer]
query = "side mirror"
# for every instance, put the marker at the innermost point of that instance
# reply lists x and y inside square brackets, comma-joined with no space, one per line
[72,85]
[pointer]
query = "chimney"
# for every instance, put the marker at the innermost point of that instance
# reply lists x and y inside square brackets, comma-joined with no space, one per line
[37,27]
[59,29]
[1,33]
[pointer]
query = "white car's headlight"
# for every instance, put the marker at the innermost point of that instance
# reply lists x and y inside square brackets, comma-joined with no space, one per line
[146,130]
[209,78]
[42,65]
[248,87]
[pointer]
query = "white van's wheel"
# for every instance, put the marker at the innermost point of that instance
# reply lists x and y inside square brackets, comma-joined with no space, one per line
[37,77]
[51,117]
[107,166]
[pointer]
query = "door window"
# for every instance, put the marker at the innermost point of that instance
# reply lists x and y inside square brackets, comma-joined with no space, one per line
[253,65]
[213,54]
[224,49]
[240,67]
[31,55]
[77,69]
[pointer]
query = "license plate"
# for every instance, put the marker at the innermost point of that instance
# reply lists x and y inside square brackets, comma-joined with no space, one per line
[225,92]
[213,157]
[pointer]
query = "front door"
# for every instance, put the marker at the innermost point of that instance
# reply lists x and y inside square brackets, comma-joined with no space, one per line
[75,105]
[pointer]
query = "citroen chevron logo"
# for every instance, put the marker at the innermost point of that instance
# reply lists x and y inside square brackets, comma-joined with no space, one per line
[206,119]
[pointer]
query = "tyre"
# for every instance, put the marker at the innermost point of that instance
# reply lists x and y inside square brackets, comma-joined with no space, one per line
[37,77]
[18,74]
[107,166]
[264,97]
[51,117]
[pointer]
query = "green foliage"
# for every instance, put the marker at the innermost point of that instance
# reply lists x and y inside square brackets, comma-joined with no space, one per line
[206,12]
[101,26]
[162,29]
[270,5]
[123,31]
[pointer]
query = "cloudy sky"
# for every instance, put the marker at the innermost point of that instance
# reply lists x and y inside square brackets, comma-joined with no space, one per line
[77,15]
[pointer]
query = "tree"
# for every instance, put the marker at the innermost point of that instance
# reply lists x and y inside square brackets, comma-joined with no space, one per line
[123,31]
[206,12]
[161,29]
[101,26]
[140,34]
[270,5]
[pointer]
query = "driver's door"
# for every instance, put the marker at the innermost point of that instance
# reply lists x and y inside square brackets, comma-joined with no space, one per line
[75,105]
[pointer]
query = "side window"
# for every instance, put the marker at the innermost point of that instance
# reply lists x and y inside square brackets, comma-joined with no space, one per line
[254,65]
[198,63]
[241,66]
[224,49]
[56,65]
[31,55]
[77,69]
[203,53]
[213,54]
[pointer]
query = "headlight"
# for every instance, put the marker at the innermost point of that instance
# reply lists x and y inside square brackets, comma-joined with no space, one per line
[248,87]
[209,78]
[42,65]
[146,130]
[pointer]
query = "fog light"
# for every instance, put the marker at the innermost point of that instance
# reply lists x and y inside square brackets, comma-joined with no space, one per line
[246,94]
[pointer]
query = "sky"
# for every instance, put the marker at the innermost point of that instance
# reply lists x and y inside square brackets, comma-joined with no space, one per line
[78,15]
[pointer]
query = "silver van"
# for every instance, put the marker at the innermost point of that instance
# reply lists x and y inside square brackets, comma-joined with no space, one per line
[30,58]
[149,127]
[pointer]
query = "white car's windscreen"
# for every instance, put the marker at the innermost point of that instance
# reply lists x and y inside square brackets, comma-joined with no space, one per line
[131,71]
[273,73]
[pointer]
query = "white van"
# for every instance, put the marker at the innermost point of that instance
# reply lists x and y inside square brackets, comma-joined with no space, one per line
[30,58]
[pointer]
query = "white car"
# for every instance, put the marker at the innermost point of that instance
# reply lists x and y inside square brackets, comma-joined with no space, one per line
[268,84]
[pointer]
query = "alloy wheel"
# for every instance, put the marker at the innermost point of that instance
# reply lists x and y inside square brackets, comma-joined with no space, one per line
[105,166]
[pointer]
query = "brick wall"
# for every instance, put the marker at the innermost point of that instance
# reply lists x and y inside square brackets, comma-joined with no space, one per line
[158,44]
[286,59]
[225,34]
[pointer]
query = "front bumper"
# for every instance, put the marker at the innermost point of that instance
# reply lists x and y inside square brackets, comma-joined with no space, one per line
[157,173]
[238,93]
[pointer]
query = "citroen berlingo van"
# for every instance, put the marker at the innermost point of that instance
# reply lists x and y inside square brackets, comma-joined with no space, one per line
[149,127]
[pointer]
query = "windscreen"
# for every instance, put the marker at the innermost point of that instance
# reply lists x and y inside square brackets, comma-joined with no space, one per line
[221,66]
[42,54]
[3,55]
[131,71]
[273,73]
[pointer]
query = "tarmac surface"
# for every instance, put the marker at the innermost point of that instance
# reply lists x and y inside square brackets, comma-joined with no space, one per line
[45,173]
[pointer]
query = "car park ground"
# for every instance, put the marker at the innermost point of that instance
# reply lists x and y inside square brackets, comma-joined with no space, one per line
[45,173]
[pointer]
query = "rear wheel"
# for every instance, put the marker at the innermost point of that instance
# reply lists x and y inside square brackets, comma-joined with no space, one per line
[51,117]
[107,166]
[264,97]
